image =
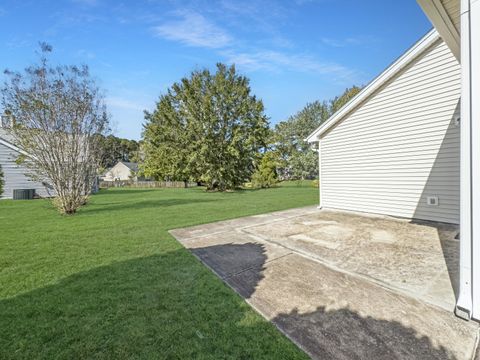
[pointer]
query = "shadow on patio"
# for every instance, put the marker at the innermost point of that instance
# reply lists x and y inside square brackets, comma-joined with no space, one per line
[336,308]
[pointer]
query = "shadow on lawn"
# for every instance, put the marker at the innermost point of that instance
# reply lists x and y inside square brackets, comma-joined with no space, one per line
[136,204]
[169,306]
[163,306]
[124,191]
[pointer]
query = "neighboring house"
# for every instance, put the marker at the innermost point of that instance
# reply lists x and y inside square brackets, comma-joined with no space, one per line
[405,147]
[122,171]
[15,175]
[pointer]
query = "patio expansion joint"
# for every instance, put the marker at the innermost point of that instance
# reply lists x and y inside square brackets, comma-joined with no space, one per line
[332,265]
[428,288]
[255,267]
[224,230]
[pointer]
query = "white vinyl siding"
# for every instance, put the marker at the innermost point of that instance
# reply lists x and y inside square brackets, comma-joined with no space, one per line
[400,146]
[14,175]
[119,172]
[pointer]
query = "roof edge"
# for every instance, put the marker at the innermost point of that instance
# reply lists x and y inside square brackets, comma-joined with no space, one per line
[411,54]
[440,18]
[13,147]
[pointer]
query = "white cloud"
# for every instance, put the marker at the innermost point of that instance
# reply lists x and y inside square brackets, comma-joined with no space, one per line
[85,54]
[193,29]
[19,42]
[360,40]
[122,103]
[276,61]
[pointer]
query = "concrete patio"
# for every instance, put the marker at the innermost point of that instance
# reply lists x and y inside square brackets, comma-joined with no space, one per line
[344,285]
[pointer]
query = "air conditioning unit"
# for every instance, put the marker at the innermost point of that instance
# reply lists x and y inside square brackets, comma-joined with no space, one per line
[23,194]
[432,200]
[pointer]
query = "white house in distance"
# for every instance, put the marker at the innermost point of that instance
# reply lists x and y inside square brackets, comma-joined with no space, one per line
[408,144]
[15,175]
[122,171]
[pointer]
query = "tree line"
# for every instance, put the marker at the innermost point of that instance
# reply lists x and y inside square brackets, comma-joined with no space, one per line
[294,155]
[210,128]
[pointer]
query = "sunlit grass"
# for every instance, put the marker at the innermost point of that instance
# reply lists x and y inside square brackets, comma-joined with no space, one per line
[110,282]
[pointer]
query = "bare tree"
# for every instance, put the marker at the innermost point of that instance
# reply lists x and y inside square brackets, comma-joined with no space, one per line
[58,113]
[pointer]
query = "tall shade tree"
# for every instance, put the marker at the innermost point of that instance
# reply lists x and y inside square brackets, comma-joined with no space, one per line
[295,156]
[207,127]
[58,112]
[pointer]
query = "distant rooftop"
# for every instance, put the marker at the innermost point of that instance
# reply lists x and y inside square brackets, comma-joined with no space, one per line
[131,165]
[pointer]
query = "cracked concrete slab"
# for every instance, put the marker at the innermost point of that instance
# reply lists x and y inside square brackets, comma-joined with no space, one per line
[230,253]
[343,285]
[335,315]
[418,258]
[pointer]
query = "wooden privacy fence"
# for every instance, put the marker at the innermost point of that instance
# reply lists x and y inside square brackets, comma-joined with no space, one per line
[146,184]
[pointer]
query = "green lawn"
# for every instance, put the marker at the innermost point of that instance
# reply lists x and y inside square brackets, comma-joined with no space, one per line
[110,282]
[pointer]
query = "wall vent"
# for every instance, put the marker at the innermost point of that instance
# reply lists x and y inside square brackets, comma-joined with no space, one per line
[456,121]
[432,201]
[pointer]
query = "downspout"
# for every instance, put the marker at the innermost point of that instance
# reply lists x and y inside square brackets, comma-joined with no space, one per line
[474,38]
[464,307]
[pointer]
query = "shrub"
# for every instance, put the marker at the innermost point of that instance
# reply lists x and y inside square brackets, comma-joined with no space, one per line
[266,174]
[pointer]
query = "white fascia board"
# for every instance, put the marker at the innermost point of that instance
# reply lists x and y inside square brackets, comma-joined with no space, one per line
[373,86]
[439,17]
[13,147]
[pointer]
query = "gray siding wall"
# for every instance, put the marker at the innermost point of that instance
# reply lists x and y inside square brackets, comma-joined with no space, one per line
[400,146]
[14,175]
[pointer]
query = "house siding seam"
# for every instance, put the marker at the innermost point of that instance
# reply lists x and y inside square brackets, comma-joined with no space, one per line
[400,146]
[14,175]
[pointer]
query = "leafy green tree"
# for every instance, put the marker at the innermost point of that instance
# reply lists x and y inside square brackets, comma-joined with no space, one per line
[266,174]
[208,128]
[114,149]
[297,160]
[2,182]
[339,101]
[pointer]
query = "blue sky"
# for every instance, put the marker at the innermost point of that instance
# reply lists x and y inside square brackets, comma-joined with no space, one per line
[294,51]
